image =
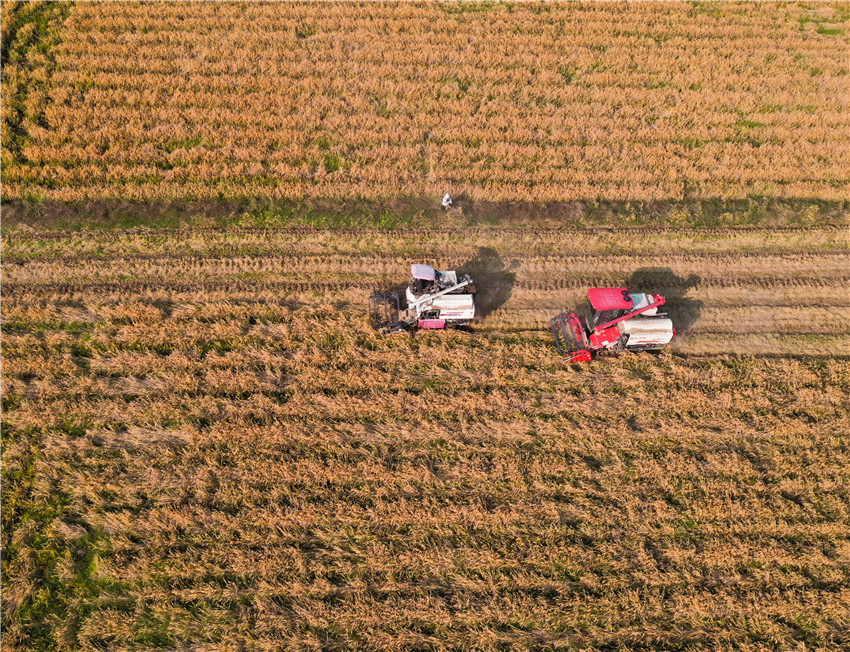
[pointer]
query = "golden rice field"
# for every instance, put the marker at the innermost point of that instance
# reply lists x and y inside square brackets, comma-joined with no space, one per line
[206,444]
[544,102]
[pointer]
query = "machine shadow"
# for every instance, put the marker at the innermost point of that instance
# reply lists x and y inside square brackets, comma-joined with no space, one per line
[494,281]
[663,280]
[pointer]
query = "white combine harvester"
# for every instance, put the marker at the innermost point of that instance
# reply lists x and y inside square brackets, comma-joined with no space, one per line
[434,300]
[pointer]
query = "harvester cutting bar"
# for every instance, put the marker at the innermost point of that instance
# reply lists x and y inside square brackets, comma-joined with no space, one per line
[570,337]
[384,312]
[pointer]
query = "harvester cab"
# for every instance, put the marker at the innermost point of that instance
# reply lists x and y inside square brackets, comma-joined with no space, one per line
[435,299]
[617,321]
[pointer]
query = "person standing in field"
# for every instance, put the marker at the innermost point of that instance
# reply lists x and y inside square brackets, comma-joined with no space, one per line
[447,201]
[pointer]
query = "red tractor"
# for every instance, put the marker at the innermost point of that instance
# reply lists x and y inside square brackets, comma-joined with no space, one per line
[618,321]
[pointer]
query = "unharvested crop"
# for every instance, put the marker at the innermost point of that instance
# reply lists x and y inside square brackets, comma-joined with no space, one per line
[500,102]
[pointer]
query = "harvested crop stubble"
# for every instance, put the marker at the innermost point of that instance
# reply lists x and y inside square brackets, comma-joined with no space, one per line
[729,290]
[203,444]
[500,102]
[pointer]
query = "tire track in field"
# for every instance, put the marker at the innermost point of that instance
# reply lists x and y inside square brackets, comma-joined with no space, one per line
[12,288]
[198,259]
[368,266]
[405,232]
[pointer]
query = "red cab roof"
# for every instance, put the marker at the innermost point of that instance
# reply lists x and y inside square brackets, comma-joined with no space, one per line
[609,298]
